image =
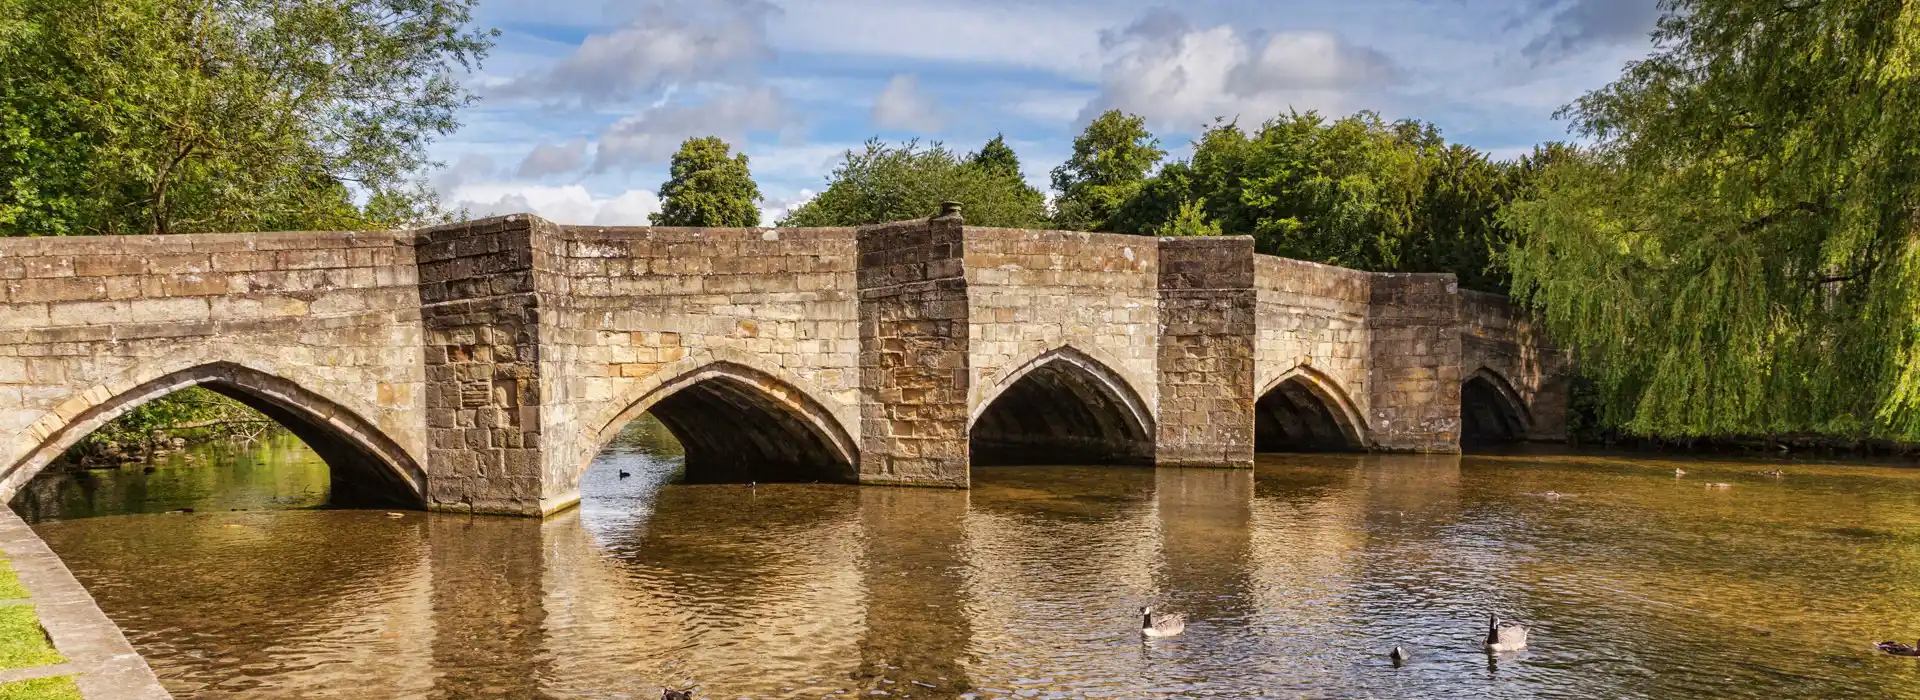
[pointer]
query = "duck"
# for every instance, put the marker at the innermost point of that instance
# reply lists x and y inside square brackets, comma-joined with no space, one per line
[1168,625]
[1677,473]
[1502,638]
[624,474]
[1399,655]
[1898,648]
[671,694]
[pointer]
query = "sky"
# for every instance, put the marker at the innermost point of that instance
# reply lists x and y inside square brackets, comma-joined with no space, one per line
[582,104]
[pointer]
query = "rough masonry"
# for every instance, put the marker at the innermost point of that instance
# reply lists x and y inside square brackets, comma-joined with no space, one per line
[481,366]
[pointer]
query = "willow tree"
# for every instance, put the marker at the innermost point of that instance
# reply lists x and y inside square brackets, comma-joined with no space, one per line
[1735,252]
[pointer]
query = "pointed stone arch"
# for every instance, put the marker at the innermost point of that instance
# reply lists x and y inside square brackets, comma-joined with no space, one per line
[1491,411]
[737,423]
[367,466]
[1063,406]
[1305,410]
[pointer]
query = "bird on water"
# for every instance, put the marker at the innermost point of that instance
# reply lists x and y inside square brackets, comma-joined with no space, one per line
[1504,637]
[671,694]
[1399,655]
[624,474]
[1899,648]
[1161,625]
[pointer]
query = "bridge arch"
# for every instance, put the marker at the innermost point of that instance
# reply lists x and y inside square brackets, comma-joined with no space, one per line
[1305,410]
[1491,411]
[366,466]
[1063,407]
[737,423]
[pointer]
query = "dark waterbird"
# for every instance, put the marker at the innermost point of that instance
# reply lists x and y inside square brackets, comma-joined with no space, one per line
[624,474]
[671,694]
[1899,648]
[1399,655]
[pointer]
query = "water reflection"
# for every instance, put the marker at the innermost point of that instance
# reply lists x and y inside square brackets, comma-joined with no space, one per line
[1297,578]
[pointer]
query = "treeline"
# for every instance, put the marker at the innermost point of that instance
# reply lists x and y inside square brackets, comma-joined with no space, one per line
[1357,191]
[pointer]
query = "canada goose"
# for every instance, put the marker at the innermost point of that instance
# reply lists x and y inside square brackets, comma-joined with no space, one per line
[1898,648]
[1399,655]
[1161,625]
[1504,637]
[671,694]
[624,474]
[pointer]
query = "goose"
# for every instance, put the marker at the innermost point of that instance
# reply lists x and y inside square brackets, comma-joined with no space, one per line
[1161,625]
[1898,648]
[1399,655]
[1504,637]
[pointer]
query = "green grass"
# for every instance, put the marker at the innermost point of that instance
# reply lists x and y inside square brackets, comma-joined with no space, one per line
[22,642]
[55,688]
[10,582]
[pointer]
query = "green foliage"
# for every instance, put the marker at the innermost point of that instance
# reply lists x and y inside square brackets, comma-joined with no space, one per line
[997,158]
[885,183]
[1191,220]
[1736,252]
[1358,191]
[193,413]
[1108,168]
[708,186]
[163,116]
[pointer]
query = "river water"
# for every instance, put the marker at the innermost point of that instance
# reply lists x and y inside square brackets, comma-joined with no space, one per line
[1296,578]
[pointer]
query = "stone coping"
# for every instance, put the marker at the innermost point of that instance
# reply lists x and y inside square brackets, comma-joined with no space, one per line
[100,659]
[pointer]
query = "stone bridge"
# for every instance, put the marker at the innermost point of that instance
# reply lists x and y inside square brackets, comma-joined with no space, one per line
[481,366]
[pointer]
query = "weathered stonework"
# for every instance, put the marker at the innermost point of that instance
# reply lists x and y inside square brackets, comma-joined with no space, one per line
[914,346]
[481,366]
[1414,336]
[1206,358]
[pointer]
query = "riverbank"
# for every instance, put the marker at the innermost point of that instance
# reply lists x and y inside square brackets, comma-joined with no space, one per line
[88,656]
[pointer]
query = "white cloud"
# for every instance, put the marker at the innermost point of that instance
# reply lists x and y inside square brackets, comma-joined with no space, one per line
[548,159]
[571,204]
[772,209]
[1043,36]
[901,106]
[469,167]
[1182,77]
[663,47]
[653,135]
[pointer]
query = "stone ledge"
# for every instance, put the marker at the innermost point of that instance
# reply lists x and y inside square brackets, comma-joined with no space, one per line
[99,657]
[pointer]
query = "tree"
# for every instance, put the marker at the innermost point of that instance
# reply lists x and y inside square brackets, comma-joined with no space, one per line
[162,116]
[997,157]
[708,187]
[1108,167]
[885,183]
[1735,253]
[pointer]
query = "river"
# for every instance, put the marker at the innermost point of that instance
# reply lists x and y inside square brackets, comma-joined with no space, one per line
[1296,578]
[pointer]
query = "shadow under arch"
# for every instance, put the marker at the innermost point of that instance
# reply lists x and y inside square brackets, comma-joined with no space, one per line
[1061,407]
[738,424]
[1304,410]
[366,467]
[1491,411]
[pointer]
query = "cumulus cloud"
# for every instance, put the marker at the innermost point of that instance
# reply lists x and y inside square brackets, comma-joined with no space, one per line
[662,47]
[571,204]
[772,209]
[1175,74]
[652,135]
[902,106]
[549,159]
[1577,25]
[469,167]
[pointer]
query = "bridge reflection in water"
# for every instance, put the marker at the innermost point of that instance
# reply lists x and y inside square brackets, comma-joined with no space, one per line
[1296,576]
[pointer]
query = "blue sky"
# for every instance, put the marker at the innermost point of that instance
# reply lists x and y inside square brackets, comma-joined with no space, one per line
[583,103]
